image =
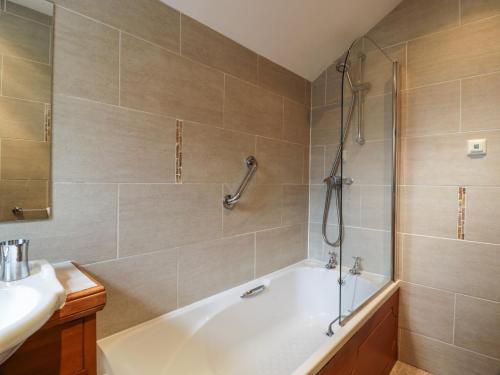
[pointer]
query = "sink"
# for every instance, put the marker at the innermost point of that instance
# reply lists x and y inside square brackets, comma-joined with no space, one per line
[26,305]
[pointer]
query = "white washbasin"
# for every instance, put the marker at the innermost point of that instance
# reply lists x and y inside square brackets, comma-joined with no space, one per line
[25,305]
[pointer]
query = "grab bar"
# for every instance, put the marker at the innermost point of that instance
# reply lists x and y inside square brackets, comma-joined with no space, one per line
[230,200]
[252,292]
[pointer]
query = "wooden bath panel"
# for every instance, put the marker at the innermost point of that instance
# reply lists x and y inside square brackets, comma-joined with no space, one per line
[373,350]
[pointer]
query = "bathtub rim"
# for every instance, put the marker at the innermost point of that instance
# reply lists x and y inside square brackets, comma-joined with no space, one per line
[325,353]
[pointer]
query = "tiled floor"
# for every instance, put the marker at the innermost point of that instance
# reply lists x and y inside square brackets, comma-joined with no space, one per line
[401,368]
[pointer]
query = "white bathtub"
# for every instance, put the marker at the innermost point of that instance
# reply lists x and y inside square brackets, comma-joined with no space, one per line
[280,331]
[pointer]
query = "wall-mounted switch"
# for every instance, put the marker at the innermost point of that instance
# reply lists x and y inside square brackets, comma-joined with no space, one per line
[476,147]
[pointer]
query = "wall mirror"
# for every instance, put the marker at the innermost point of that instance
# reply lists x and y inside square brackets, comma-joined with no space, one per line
[26,38]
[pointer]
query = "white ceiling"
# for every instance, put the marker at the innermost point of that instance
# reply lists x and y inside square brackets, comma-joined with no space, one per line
[305,36]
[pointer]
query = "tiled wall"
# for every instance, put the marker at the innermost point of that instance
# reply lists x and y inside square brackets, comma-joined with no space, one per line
[25,93]
[143,93]
[450,301]
[366,204]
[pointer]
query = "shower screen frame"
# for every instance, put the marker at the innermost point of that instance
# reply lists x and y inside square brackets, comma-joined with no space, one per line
[343,319]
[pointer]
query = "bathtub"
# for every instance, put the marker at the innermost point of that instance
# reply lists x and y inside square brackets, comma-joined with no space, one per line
[279,331]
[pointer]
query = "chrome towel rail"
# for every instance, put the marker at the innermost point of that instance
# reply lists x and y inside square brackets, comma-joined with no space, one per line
[230,200]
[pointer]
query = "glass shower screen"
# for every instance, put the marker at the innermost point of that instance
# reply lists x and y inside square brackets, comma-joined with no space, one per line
[365,224]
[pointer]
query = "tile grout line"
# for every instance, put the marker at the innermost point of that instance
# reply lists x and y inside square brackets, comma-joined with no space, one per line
[118,221]
[172,117]
[177,53]
[255,255]
[178,261]
[119,66]
[224,88]
[453,345]
[1,75]
[454,318]
[180,34]
[460,123]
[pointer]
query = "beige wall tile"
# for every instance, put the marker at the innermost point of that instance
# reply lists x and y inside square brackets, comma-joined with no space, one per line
[75,74]
[22,119]
[278,248]
[431,110]
[305,171]
[473,10]
[318,88]
[378,71]
[427,311]
[477,326]
[23,38]
[282,81]
[377,119]
[24,160]
[206,45]
[137,288]
[208,268]
[315,249]
[453,265]
[317,165]
[482,215]
[214,155]
[370,163]
[155,80]
[440,358]
[96,142]
[28,13]
[160,216]
[373,246]
[411,19]
[295,204]
[252,109]
[325,125]
[259,208]
[22,193]
[350,205]
[25,79]
[83,227]
[480,110]
[279,162]
[470,50]
[149,19]
[376,207]
[429,210]
[296,123]
[308,94]
[443,160]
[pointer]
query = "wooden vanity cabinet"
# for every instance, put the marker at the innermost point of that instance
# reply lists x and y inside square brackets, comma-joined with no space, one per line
[66,344]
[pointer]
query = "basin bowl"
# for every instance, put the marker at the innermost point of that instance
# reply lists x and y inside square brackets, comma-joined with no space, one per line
[26,305]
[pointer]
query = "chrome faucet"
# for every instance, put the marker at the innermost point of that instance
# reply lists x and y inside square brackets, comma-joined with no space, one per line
[332,262]
[14,260]
[356,268]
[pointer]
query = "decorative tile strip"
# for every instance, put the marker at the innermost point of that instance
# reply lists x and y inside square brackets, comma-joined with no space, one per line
[178,152]
[461,213]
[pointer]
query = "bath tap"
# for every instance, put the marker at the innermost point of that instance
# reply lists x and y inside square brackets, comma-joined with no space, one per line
[332,262]
[356,268]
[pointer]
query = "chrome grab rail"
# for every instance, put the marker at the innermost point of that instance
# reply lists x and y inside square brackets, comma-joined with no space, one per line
[231,200]
[252,292]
